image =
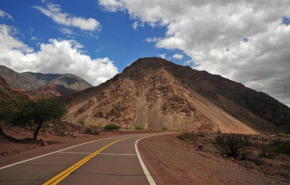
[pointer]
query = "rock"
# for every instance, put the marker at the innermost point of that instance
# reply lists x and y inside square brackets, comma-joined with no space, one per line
[44,143]
[199,146]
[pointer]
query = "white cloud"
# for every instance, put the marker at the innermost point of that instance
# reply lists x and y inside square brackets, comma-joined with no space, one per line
[56,56]
[136,24]
[66,31]
[211,32]
[163,55]
[5,15]
[54,12]
[178,56]
[154,39]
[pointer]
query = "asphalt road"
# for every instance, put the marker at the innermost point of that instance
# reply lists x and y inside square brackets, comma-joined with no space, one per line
[109,161]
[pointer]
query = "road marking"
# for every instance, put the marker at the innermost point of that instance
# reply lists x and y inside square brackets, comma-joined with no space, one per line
[145,170]
[75,153]
[61,176]
[59,151]
[91,153]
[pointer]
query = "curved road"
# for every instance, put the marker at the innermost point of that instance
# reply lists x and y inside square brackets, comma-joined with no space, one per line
[111,161]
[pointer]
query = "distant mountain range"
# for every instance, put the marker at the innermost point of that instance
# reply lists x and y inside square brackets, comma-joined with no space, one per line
[38,84]
[154,92]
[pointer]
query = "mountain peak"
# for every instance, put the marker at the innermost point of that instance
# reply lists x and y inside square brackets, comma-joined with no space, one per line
[154,92]
[28,81]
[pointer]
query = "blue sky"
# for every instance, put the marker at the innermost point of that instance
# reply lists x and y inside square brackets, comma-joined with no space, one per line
[246,41]
[117,39]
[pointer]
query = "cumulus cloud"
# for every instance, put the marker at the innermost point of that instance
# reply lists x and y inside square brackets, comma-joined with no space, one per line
[54,12]
[213,33]
[177,56]
[56,56]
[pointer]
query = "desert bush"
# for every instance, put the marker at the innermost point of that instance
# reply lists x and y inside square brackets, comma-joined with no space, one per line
[82,123]
[202,135]
[139,127]
[232,144]
[164,128]
[265,150]
[281,146]
[91,131]
[111,127]
[188,137]
[283,135]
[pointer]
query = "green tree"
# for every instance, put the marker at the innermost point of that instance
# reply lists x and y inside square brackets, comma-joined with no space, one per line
[38,111]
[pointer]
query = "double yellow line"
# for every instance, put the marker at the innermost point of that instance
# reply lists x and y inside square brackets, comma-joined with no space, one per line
[58,178]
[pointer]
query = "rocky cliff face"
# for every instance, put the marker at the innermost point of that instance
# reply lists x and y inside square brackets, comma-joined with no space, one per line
[30,81]
[154,93]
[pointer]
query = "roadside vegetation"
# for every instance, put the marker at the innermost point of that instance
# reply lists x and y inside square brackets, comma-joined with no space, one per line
[266,154]
[232,145]
[82,123]
[35,113]
[188,137]
[241,146]
[283,135]
[139,127]
[164,128]
[111,127]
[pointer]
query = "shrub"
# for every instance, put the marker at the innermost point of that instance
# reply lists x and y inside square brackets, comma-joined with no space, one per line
[281,146]
[164,128]
[82,123]
[111,127]
[188,137]
[91,131]
[283,135]
[202,135]
[231,145]
[139,127]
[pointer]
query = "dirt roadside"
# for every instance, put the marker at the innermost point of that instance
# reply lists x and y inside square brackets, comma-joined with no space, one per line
[178,163]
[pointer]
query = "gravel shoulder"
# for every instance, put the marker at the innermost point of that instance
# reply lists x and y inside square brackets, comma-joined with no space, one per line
[175,162]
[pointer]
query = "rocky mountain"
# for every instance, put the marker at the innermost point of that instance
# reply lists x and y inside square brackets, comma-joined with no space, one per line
[30,81]
[9,97]
[154,92]
[50,90]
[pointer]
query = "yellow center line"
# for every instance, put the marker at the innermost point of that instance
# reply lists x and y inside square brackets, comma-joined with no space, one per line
[61,176]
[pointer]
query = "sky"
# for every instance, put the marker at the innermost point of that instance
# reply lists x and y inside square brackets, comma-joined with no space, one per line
[247,41]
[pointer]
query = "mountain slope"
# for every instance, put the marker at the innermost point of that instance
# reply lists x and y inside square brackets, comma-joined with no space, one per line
[9,98]
[50,90]
[30,81]
[71,82]
[154,92]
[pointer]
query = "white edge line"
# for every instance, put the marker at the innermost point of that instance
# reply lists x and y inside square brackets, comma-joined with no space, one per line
[146,172]
[57,152]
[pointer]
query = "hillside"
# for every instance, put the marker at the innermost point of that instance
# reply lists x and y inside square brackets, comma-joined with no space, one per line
[9,98]
[28,81]
[154,93]
[50,90]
